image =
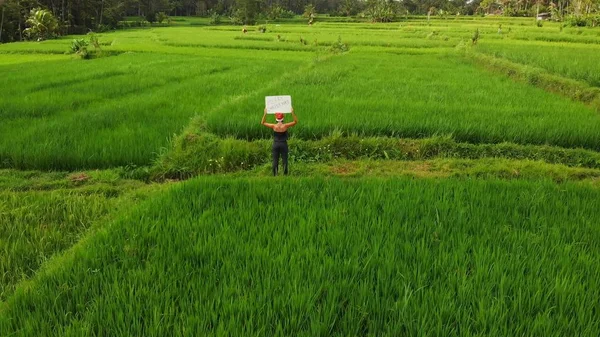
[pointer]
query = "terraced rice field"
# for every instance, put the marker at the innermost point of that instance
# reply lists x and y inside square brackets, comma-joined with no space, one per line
[431,193]
[403,79]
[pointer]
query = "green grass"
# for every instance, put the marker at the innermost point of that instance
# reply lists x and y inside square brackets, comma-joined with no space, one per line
[309,257]
[428,196]
[573,89]
[417,96]
[485,168]
[570,60]
[113,111]
[18,58]
[399,79]
[196,152]
[42,214]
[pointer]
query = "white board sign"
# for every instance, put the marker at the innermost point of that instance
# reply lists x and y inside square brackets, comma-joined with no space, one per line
[278,104]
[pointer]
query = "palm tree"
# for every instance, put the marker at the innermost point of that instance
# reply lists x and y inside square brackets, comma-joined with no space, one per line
[42,24]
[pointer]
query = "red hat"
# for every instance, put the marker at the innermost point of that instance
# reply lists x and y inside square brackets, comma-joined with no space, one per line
[278,115]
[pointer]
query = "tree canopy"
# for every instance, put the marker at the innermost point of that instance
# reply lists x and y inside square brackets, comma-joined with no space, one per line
[81,16]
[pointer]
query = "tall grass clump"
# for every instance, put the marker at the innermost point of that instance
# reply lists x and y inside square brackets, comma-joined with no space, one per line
[198,152]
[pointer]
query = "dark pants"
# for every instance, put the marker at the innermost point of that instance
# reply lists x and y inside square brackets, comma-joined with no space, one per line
[280,149]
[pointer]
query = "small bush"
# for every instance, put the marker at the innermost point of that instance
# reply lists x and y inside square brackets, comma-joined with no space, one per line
[287,14]
[475,37]
[151,17]
[79,47]
[42,25]
[94,41]
[236,18]
[241,16]
[577,21]
[278,12]
[103,28]
[382,11]
[215,18]
[309,11]
[161,17]
[339,47]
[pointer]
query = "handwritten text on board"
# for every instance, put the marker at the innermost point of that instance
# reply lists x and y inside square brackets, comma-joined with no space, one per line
[278,104]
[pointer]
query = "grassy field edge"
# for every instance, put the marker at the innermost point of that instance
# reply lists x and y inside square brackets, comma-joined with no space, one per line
[570,88]
[197,152]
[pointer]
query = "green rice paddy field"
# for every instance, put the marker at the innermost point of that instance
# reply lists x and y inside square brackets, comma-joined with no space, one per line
[431,193]
[403,79]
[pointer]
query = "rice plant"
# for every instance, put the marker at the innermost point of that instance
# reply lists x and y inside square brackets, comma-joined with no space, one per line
[570,60]
[399,79]
[417,96]
[43,214]
[306,257]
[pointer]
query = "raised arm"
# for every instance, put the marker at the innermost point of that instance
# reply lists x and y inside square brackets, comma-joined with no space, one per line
[264,118]
[290,124]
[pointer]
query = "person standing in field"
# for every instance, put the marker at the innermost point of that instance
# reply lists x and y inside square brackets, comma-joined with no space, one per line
[280,146]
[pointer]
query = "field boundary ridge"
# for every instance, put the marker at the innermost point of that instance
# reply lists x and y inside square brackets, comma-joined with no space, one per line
[200,152]
[567,87]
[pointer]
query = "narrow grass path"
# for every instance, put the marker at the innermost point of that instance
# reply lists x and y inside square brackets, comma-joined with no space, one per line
[197,152]
[487,168]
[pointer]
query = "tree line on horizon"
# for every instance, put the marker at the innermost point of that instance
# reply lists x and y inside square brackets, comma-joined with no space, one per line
[19,18]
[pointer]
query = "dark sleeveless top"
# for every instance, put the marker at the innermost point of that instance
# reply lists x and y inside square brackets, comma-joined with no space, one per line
[280,136]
